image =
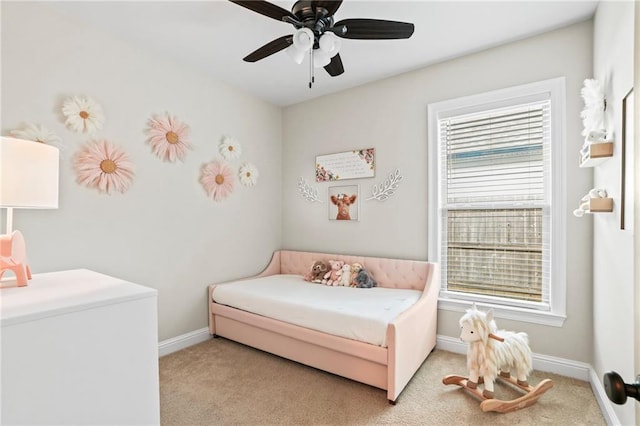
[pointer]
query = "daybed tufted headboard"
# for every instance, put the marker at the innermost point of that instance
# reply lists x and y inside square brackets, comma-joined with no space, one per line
[390,273]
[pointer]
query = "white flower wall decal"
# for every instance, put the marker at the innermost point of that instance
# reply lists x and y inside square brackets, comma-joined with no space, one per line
[37,133]
[230,148]
[83,114]
[248,174]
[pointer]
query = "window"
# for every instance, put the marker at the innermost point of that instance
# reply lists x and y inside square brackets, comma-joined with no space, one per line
[496,178]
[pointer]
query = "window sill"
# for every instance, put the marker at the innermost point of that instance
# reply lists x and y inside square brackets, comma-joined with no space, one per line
[506,312]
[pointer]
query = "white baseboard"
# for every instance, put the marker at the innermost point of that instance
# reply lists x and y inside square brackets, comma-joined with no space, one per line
[603,400]
[174,344]
[564,367]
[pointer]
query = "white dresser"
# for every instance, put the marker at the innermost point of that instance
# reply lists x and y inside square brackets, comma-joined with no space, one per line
[79,348]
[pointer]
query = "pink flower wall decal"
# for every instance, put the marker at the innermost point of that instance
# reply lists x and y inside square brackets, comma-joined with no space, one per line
[217,180]
[168,137]
[101,165]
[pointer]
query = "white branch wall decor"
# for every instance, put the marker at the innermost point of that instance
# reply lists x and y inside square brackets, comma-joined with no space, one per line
[387,188]
[309,193]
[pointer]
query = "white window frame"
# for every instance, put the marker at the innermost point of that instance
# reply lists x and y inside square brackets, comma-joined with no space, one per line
[554,90]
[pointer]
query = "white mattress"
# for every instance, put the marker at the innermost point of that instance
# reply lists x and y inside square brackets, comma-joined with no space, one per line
[355,313]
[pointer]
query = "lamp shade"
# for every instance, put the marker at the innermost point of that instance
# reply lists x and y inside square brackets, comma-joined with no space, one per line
[28,174]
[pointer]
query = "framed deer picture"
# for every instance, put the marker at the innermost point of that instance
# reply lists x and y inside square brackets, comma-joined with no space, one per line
[344,202]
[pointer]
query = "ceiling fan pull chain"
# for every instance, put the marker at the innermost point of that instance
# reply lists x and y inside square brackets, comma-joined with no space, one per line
[311,79]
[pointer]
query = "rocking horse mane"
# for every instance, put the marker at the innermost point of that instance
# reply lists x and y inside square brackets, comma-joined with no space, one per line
[478,321]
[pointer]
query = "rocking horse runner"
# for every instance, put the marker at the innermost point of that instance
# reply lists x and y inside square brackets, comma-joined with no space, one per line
[491,351]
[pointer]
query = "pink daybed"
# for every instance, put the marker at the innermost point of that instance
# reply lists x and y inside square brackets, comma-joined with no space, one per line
[410,337]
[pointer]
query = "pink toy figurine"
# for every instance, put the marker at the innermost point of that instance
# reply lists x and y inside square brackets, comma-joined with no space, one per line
[13,256]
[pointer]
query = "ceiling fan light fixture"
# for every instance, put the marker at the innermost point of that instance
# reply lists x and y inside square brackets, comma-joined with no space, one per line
[296,54]
[318,35]
[320,58]
[330,44]
[303,39]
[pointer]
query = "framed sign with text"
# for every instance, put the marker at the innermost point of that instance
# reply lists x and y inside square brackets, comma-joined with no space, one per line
[354,164]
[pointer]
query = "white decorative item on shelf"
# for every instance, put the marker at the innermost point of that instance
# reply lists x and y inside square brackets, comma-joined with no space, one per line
[309,193]
[594,136]
[593,117]
[594,201]
[594,107]
[387,188]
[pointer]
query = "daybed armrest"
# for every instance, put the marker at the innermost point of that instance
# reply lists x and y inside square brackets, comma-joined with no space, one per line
[273,267]
[412,336]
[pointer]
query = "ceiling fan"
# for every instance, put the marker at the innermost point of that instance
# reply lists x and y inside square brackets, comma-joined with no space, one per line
[317,34]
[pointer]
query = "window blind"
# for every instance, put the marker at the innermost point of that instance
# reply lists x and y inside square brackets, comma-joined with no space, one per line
[495,202]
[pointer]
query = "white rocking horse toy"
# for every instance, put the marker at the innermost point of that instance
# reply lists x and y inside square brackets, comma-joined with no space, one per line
[492,354]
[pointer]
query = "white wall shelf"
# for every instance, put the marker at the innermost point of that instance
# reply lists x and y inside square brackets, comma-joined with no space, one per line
[597,154]
[600,205]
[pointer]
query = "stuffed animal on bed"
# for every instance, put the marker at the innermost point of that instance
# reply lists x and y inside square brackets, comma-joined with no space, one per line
[364,279]
[355,268]
[345,277]
[318,269]
[309,274]
[332,277]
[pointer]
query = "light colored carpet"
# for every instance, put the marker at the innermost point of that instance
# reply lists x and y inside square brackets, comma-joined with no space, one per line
[222,382]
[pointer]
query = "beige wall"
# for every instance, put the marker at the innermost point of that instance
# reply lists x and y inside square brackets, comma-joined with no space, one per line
[164,232]
[391,116]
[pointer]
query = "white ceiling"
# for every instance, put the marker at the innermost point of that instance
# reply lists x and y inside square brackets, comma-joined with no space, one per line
[214,36]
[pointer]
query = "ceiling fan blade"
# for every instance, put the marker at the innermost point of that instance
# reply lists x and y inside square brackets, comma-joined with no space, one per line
[331,5]
[269,48]
[265,8]
[373,29]
[335,67]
